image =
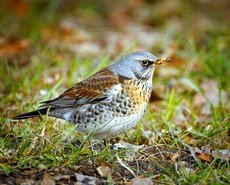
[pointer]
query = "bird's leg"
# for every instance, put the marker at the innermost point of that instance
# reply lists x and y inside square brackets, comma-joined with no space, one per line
[91,147]
[92,159]
[105,143]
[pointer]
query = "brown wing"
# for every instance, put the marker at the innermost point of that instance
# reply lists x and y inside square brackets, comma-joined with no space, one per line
[91,90]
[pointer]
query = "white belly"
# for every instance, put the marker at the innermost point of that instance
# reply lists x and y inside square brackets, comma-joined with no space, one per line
[117,126]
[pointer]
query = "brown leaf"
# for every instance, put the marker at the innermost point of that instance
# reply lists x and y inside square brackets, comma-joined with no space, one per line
[174,157]
[19,7]
[47,180]
[223,154]
[49,34]
[12,46]
[68,29]
[204,157]
[104,171]
[189,139]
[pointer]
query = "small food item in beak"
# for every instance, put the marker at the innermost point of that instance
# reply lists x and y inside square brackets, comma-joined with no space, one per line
[162,61]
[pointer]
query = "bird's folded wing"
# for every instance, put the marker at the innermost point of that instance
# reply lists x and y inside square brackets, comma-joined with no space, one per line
[96,88]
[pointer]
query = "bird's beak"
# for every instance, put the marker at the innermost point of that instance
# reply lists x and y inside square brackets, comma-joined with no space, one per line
[162,61]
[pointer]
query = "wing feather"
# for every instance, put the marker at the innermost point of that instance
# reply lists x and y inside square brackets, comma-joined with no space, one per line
[96,88]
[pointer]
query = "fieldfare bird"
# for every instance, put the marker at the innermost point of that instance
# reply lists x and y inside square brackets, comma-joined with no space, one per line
[109,102]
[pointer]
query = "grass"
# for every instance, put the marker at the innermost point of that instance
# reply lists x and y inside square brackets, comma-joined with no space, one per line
[170,131]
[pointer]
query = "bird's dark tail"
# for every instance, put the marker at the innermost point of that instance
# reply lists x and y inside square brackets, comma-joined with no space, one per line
[32,114]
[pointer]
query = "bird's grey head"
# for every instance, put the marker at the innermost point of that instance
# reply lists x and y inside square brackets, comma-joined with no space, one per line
[137,65]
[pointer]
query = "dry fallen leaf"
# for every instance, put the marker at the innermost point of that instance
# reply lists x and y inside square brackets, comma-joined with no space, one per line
[18,7]
[47,180]
[104,171]
[189,139]
[174,157]
[206,153]
[204,157]
[223,154]
[12,46]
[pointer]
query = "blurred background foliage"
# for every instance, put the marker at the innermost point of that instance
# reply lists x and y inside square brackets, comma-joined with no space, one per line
[201,20]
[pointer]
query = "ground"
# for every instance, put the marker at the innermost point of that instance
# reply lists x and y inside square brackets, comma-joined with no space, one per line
[48,46]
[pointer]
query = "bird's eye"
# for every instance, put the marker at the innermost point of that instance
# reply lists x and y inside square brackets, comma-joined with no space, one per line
[145,62]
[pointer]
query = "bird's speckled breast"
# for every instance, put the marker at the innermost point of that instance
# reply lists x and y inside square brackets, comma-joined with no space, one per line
[138,92]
